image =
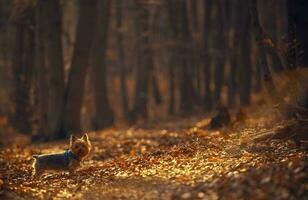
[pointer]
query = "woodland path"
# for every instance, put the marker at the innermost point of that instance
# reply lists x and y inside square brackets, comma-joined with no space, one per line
[177,159]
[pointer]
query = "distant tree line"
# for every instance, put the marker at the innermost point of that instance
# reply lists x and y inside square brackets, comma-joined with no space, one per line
[185,55]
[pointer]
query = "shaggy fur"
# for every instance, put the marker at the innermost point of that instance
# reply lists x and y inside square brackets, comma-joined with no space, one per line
[68,160]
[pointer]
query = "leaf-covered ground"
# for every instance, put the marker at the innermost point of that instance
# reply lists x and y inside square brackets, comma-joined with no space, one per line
[177,159]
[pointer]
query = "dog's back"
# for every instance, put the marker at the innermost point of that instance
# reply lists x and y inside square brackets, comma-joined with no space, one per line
[57,161]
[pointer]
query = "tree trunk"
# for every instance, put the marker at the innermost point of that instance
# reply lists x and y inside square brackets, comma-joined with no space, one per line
[104,115]
[260,38]
[173,24]
[291,39]
[123,71]
[54,53]
[208,6]
[187,93]
[301,24]
[40,65]
[22,63]
[220,58]
[155,88]
[234,54]
[79,67]
[145,62]
[245,52]
[154,21]
[195,49]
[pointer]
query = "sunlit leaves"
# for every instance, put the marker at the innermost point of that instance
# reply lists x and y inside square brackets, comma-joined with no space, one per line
[167,162]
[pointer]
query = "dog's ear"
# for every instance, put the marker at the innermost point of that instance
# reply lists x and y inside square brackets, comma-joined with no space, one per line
[73,138]
[85,137]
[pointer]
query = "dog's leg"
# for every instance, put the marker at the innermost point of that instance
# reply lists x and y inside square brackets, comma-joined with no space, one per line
[37,171]
[37,174]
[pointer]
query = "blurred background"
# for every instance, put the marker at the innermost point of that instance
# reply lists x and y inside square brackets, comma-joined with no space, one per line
[68,66]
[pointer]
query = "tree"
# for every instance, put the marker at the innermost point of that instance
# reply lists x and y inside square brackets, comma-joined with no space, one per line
[261,40]
[41,73]
[55,68]
[300,21]
[291,34]
[220,57]
[123,71]
[235,54]
[80,63]
[207,23]
[245,72]
[22,17]
[104,115]
[145,61]
[173,11]
[187,91]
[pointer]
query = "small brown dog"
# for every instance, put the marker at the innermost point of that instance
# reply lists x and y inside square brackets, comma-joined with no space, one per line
[68,160]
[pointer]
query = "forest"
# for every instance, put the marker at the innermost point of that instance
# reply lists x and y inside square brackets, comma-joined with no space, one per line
[154,99]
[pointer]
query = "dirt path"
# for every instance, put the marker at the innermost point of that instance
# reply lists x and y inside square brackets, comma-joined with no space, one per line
[175,160]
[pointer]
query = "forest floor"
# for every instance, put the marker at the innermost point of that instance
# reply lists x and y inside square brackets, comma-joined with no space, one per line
[175,159]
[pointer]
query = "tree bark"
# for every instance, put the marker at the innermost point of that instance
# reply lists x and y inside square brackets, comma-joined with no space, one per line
[195,49]
[291,36]
[173,23]
[80,63]
[41,68]
[145,62]
[123,71]
[245,72]
[207,23]
[220,58]
[187,93]
[24,47]
[301,24]
[155,88]
[104,115]
[260,38]
[53,26]
[234,54]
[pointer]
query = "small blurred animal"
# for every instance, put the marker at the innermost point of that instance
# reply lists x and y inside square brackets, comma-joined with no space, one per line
[292,110]
[222,118]
[68,160]
[241,116]
[294,129]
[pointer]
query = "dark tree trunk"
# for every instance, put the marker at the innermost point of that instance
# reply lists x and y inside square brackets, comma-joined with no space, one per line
[173,23]
[187,93]
[54,53]
[104,115]
[220,58]
[234,54]
[258,75]
[145,62]
[123,71]
[291,39]
[245,52]
[79,66]
[301,24]
[260,38]
[155,88]
[40,65]
[208,6]
[21,119]
[154,81]
[24,47]
[171,106]
[195,49]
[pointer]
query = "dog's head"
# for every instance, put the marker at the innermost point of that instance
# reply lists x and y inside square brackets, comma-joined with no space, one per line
[80,146]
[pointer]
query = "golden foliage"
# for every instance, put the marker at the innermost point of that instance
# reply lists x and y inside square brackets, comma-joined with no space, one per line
[166,162]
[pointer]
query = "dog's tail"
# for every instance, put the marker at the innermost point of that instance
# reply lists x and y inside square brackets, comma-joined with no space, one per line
[35,156]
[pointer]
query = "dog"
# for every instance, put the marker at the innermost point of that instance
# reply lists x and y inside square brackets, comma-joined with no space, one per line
[68,160]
